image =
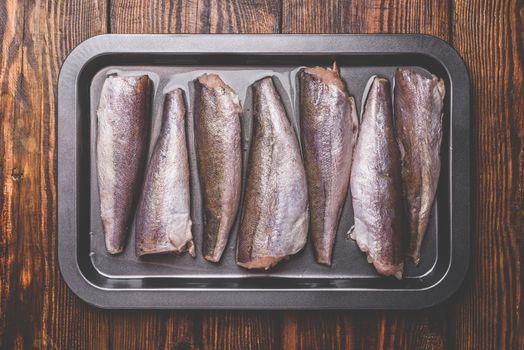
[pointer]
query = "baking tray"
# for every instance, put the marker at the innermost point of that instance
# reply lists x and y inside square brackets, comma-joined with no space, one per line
[167,281]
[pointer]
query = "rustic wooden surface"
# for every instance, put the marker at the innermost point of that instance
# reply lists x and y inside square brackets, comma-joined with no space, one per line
[37,310]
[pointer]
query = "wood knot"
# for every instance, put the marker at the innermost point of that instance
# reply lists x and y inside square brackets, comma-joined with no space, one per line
[17,175]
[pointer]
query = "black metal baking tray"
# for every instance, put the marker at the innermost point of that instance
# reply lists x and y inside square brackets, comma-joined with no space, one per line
[166,281]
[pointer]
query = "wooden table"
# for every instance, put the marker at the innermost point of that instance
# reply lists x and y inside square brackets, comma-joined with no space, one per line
[38,310]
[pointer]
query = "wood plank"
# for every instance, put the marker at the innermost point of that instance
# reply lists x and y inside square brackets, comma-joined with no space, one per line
[488,35]
[227,329]
[401,330]
[153,330]
[195,16]
[364,330]
[11,56]
[371,16]
[309,16]
[240,330]
[36,308]
[371,329]
[325,330]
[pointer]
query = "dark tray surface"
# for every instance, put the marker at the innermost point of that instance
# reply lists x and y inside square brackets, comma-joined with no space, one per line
[126,281]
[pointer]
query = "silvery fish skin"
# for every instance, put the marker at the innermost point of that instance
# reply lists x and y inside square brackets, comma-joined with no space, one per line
[275,219]
[219,157]
[376,184]
[121,149]
[419,102]
[163,220]
[329,128]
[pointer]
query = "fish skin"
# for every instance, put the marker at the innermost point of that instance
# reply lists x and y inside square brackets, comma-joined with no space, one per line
[329,129]
[418,105]
[163,219]
[219,157]
[121,149]
[275,219]
[376,184]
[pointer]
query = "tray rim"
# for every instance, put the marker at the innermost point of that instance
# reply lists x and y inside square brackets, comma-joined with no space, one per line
[222,298]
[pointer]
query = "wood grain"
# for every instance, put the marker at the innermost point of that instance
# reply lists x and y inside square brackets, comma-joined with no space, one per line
[317,330]
[401,330]
[152,330]
[364,330]
[195,16]
[367,16]
[240,330]
[390,329]
[35,38]
[488,35]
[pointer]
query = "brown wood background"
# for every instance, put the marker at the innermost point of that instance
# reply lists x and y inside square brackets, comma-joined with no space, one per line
[37,310]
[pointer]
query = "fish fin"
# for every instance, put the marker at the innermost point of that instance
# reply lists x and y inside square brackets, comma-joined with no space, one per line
[191,248]
[441,87]
[416,260]
[350,233]
[355,122]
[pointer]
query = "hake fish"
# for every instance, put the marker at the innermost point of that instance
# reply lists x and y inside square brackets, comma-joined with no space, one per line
[219,157]
[121,150]
[275,220]
[376,185]
[329,127]
[418,104]
[163,221]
